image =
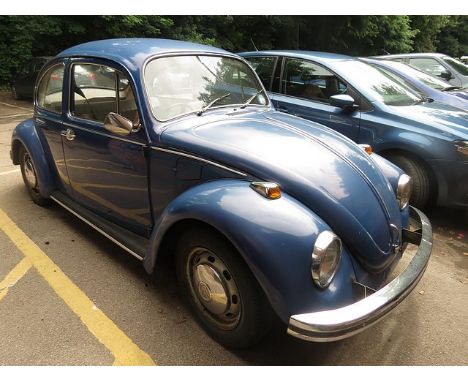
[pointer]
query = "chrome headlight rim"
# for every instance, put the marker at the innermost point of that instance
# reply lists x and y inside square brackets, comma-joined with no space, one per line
[325,242]
[404,189]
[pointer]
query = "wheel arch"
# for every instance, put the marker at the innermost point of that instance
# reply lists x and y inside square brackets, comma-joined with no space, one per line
[26,135]
[269,235]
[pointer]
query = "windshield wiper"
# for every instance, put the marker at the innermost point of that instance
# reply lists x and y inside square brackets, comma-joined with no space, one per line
[251,99]
[206,107]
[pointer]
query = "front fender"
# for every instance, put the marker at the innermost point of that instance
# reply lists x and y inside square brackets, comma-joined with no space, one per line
[26,134]
[389,170]
[274,237]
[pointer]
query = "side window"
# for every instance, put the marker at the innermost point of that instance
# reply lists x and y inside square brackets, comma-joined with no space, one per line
[428,65]
[49,93]
[95,93]
[264,67]
[307,80]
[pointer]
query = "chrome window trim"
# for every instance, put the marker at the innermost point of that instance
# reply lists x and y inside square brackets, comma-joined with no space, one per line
[171,151]
[111,238]
[85,61]
[197,53]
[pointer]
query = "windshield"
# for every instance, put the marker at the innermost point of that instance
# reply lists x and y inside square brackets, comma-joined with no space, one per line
[185,84]
[382,86]
[426,79]
[457,65]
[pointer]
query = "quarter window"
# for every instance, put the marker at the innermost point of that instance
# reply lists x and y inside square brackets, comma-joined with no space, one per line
[98,90]
[49,93]
[307,80]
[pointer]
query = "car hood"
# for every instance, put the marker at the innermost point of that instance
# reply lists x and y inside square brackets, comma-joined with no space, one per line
[437,117]
[461,93]
[319,167]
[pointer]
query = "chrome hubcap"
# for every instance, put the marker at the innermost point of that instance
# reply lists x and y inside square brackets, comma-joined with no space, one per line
[29,172]
[213,288]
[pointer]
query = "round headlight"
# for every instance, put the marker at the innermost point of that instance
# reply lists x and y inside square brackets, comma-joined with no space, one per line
[325,258]
[405,186]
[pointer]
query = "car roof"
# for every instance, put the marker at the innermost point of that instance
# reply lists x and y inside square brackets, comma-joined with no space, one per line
[404,55]
[135,51]
[321,57]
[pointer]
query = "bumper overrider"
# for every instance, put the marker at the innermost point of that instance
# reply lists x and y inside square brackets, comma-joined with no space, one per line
[336,324]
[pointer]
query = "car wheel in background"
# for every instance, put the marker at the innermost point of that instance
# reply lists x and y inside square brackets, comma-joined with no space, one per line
[421,179]
[222,292]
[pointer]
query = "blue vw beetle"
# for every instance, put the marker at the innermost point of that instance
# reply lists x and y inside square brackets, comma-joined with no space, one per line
[428,140]
[173,151]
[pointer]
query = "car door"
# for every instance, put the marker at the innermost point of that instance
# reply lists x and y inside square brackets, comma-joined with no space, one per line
[48,116]
[107,171]
[434,67]
[305,90]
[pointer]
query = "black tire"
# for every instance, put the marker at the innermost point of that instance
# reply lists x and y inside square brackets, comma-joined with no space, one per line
[28,171]
[14,93]
[247,314]
[421,179]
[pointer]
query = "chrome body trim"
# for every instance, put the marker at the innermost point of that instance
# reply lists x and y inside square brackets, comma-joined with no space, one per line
[96,228]
[170,151]
[336,324]
[68,124]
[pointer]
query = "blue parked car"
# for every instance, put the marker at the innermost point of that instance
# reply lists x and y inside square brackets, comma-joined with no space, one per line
[428,86]
[183,158]
[428,140]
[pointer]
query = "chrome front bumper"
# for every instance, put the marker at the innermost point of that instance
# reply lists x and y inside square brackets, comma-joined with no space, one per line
[336,324]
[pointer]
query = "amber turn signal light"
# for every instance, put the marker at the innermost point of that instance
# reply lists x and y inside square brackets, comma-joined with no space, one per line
[269,190]
[367,148]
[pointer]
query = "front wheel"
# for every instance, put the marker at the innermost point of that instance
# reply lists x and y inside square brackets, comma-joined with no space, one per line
[30,178]
[222,292]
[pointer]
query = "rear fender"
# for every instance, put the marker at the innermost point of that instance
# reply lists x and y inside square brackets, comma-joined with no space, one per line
[26,134]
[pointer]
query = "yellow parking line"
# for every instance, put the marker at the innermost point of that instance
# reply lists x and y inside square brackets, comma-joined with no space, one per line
[14,276]
[125,351]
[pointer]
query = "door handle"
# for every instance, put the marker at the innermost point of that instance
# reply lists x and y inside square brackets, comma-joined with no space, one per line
[69,134]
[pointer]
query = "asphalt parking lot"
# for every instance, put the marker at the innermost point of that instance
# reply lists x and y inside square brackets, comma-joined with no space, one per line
[68,296]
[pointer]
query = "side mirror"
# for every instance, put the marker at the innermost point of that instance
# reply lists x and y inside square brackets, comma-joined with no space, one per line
[446,75]
[343,101]
[117,124]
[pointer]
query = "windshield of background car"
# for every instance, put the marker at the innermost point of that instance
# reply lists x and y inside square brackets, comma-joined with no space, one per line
[426,79]
[382,86]
[184,84]
[457,65]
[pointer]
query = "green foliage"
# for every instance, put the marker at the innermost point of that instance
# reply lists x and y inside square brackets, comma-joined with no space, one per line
[23,37]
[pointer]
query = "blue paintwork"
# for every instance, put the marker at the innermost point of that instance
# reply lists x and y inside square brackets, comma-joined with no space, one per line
[426,131]
[199,168]
[457,99]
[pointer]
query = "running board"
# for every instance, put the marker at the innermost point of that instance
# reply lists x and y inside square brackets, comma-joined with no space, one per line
[134,244]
